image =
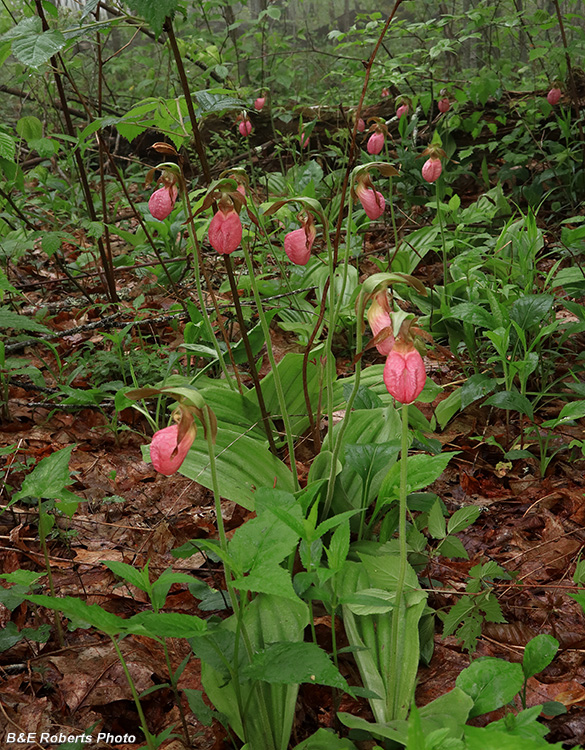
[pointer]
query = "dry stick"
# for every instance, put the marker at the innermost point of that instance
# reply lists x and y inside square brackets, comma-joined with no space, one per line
[8,198]
[103,145]
[108,244]
[249,354]
[336,240]
[107,267]
[168,26]
[572,85]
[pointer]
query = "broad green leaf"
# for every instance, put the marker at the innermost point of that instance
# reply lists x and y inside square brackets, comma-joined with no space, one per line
[49,476]
[138,578]
[10,319]
[77,610]
[289,663]
[538,654]
[36,49]
[30,128]
[463,518]
[261,540]
[198,707]
[452,547]
[530,311]
[472,313]
[243,466]
[422,471]
[325,739]
[268,578]
[168,624]
[436,523]
[7,146]
[154,12]
[491,683]
[475,387]
[511,400]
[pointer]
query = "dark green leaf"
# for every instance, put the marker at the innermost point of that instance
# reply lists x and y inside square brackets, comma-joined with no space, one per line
[491,683]
[292,663]
[49,476]
[538,654]
[154,12]
[529,311]
[511,400]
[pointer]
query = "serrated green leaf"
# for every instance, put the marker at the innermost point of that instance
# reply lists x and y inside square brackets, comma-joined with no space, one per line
[491,683]
[154,12]
[538,654]
[463,518]
[30,128]
[77,610]
[168,624]
[10,319]
[452,547]
[128,573]
[49,476]
[289,663]
[436,521]
[7,146]
[37,49]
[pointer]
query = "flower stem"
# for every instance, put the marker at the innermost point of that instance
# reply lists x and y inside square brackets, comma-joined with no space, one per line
[149,738]
[273,366]
[398,612]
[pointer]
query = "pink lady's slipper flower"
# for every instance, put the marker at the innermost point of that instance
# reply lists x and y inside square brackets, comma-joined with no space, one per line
[404,373]
[298,243]
[361,126]
[385,92]
[372,201]
[245,127]
[225,230]
[432,169]
[259,103]
[444,105]
[554,96]
[402,110]
[379,320]
[304,139]
[162,201]
[166,453]
[375,143]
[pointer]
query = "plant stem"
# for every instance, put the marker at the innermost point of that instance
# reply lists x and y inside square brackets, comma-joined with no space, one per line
[273,366]
[188,100]
[397,613]
[348,408]
[176,693]
[198,267]
[440,218]
[43,541]
[217,502]
[249,354]
[150,744]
